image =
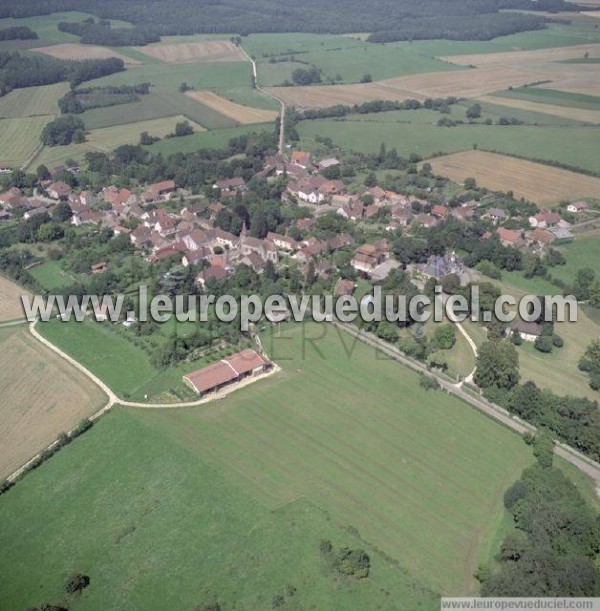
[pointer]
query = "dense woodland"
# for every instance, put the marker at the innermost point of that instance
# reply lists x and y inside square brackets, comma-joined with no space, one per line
[394,19]
[18,33]
[553,548]
[18,70]
[101,33]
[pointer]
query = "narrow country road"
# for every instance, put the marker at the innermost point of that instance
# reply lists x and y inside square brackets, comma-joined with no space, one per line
[272,96]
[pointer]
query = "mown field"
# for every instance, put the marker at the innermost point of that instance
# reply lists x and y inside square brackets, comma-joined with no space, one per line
[576,146]
[32,102]
[339,445]
[156,106]
[42,396]
[20,138]
[533,181]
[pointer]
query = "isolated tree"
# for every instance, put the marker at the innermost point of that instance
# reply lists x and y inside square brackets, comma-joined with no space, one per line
[470,184]
[43,173]
[474,111]
[366,78]
[497,365]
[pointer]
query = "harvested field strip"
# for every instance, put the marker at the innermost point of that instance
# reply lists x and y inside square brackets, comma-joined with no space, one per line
[41,397]
[10,300]
[464,83]
[525,57]
[78,52]
[533,181]
[553,97]
[241,114]
[577,114]
[194,52]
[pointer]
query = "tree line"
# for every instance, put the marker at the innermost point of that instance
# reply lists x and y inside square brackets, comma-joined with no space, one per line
[79,100]
[398,19]
[101,33]
[18,33]
[18,71]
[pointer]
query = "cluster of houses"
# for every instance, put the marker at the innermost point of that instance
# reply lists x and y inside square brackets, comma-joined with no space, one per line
[191,236]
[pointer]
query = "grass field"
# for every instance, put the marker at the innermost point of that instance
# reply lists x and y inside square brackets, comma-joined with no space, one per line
[336,56]
[106,139]
[10,300]
[533,181]
[243,115]
[581,252]
[206,140]
[576,146]
[121,364]
[194,52]
[157,105]
[557,371]
[51,276]
[168,77]
[20,138]
[32,102]
[365,459]
[41,397]
[73,51]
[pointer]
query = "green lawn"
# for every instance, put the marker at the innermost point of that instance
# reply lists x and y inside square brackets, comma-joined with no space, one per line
[581,252]
[166,509]
[576,146]
[51,276]
[32,101]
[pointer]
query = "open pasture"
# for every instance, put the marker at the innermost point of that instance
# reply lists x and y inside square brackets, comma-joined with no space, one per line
[577,146]
[42,396]
[194,52]
[243,115]
[338,431]
[533,181]
[73,51]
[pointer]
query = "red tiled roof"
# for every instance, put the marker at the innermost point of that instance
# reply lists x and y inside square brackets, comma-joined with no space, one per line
[226,371]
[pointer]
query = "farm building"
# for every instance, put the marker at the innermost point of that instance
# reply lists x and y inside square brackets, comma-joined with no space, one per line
[232,369]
